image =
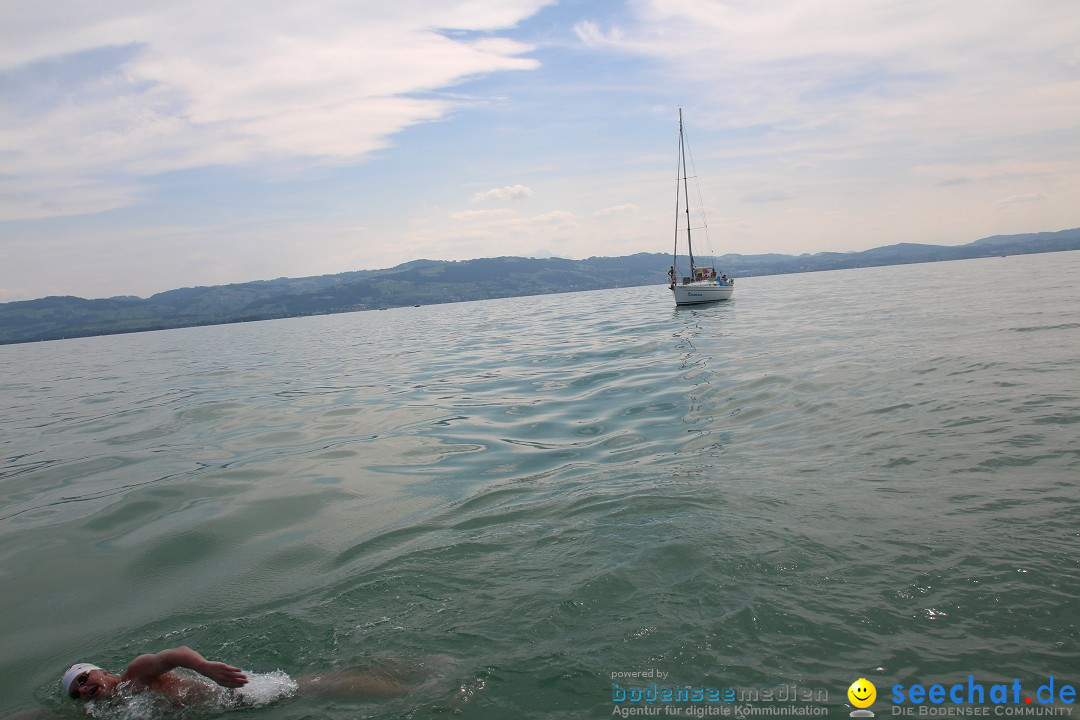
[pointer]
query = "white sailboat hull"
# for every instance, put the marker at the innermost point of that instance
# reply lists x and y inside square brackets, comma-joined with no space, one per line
[696,293]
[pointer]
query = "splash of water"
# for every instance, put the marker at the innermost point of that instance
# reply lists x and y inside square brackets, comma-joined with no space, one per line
[200,697]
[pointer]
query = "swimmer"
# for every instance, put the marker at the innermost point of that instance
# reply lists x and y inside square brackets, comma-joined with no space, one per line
[84,681]
[154,672]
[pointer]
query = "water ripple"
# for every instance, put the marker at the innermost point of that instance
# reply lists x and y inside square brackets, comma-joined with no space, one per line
[796,486]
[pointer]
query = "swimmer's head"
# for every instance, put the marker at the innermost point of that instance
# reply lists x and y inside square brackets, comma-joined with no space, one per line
[87,682]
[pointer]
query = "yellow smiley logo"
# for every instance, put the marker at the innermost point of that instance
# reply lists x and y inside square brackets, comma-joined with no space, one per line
[862,693]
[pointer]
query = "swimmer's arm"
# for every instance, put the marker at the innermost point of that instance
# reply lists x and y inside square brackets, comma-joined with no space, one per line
[145,669]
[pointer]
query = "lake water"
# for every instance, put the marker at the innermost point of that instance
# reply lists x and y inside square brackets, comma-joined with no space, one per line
[513,505]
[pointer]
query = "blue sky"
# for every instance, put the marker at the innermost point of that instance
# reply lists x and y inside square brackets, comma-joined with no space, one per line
[147,146]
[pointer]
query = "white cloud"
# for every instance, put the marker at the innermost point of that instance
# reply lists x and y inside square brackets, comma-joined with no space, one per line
[1024,198]
[510,192]
[137,88]
[503,221]
[591,34]
[28,198]
[492,235]
[481,214]
[624,209]
[766,196]
[553,217]
[905,77]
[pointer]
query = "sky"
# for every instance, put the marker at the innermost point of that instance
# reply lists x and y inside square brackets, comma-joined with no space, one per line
[146,146]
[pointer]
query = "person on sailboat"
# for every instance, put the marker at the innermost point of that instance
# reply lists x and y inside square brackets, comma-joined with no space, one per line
[671,276]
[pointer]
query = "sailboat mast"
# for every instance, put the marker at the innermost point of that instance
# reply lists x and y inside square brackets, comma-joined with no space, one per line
[686,193]
[678,199]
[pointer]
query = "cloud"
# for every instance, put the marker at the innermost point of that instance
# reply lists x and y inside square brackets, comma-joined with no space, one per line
[481,214]
[103,95]
[1024,198]
[625,209]
[592,35]
[766,196]
[508,220]
[553,217]
[493,235]
[510,192]
[28,198]
[896,80]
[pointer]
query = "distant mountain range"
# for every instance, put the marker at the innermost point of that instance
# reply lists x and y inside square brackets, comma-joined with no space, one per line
[423,282]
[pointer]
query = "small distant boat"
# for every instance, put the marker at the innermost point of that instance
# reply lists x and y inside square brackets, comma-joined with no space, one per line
[703,284]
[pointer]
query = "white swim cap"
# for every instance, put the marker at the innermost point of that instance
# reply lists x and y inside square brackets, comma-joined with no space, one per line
[73,672]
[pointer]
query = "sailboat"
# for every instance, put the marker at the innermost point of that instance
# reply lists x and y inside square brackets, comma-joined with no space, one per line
[702,285]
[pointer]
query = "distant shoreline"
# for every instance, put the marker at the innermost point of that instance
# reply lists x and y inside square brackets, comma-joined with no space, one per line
[430,282]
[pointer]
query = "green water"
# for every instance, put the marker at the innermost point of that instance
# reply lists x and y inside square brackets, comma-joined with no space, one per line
[512,505]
